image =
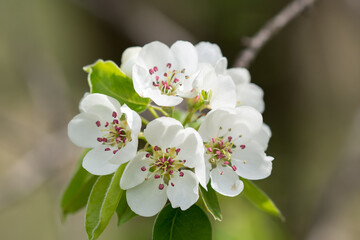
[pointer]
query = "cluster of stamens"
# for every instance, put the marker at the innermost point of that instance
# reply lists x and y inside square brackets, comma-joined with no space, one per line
[117,132]
[220,150]
[165,164]
[169,81]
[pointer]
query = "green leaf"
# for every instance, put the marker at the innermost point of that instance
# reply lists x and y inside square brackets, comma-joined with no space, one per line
[106,77]
[174,224]
[102,203]
[257,197]
[77,192]
[211,202]
[123,211]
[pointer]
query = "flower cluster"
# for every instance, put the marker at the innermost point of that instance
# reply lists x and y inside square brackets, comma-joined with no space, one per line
[221,138]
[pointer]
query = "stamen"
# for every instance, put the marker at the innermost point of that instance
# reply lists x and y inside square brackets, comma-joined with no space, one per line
[104,139]
[107,124]
[177,150]
[156,148]
[155,69]
[114,114]
[226,163]
[229,138]
[176,80]
[157,176]
[210,149]
[143,168]
[99,139]
[171,172]
[161,186]
[229,150]
[165,74]
[118,139]
[147,155]
[115,151]
[181,174]
[107,149]
[234,167]
[242,146]
[168,65]
[115,121]
[98,123]
[151,71]
[213,140]
[172,184]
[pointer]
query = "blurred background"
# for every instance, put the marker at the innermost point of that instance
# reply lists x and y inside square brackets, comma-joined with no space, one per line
[310,73]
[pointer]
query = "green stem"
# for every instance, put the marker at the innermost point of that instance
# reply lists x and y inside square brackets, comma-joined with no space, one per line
[141,136]
[160,110]
[152,111]
[189,116]
[144,120]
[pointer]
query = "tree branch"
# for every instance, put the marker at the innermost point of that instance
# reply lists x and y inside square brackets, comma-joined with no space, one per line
[256,43]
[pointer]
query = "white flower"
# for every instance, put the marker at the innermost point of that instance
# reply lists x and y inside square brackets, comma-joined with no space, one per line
[235,141]
[217,89]
[247,94]
[172,169]
[128,59]
[107,127]
[165,75]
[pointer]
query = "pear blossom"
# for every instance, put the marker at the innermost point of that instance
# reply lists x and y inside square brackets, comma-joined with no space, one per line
[216,89]
[165,75]
[235,141]
[128,59]
[111,130]
[247,93]
[171,168]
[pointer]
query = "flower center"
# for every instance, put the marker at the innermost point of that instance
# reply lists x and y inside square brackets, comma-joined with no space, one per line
[169,80]
[117,133]
[165,164]
[220,149]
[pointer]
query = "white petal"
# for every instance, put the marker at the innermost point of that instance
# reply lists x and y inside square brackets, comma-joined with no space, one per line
[141,79]
[161,99]
[83,131]
[208,52]
[147,199]
[225,181]
[263,137]
[133,174]
[133,119]
[162,131]
[184,193]
[97,161]
[250,95]
[247,123]
[100,104]
[126,153]
[154,54]
[252,163]
[239,75]
[185,56]
[128,59]
[221,66]
[192,148]
[224,94]
[210,126]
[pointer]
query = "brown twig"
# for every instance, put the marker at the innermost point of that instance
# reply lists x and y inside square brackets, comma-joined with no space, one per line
[256,43]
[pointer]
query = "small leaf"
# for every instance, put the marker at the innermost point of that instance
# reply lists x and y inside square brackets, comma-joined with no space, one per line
[106,77]
[123,211]
[102,203]
[257,197]
[77,192]
[174,224]
[211,202]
